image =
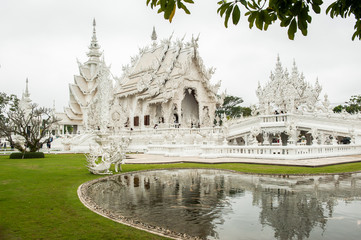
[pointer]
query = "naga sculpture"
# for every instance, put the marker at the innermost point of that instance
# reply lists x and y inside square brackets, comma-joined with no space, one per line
[102,157]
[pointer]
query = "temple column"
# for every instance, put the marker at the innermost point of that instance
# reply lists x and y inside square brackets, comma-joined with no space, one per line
[245,137]
[314,133]
[265,137]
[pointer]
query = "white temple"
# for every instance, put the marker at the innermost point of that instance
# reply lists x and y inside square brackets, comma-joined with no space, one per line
[165,104]
[166,84]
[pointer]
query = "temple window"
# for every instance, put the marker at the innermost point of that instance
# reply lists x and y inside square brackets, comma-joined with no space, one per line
[136,121]
[146,120]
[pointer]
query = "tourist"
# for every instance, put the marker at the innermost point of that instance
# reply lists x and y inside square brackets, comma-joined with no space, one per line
[48,145]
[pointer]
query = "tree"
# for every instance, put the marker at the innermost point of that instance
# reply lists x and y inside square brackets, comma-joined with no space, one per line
[31,125]
[231,107]
[10,102]
[292,14]
[352,106]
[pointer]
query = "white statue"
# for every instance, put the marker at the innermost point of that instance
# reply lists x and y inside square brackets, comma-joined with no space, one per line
[114,153]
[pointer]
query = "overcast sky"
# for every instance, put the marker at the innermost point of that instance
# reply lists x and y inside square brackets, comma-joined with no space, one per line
[41,40]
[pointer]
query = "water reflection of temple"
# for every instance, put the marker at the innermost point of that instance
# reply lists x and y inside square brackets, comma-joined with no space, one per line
[195,201]
[294,207]
[190,199]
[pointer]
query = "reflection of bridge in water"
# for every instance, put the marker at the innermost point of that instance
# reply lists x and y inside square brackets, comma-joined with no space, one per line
[196,201]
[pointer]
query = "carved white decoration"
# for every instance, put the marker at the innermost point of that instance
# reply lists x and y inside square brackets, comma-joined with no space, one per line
[109,151]
[291,131]
[144,82]
[285,93]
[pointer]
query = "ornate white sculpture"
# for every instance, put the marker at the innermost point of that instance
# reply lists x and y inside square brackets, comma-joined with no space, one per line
[284,93]
[292,133]
[109,151]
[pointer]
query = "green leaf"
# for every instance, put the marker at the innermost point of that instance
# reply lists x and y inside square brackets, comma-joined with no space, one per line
[265,26]
[260,20]
[316,8]
[222,9]
[309,19]
[228,14]
[188,1]
[236,15]
[250,5]
[169,9]
[244,2]
[172,14]
[330,9]
[251,18]
[185,9]
[292,29]
[304,32]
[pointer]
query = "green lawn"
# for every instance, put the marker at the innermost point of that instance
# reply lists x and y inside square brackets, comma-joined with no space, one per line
[38,198]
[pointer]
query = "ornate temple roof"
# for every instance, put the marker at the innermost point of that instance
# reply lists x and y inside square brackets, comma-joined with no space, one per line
[150,71]
[86,84]
[287,92]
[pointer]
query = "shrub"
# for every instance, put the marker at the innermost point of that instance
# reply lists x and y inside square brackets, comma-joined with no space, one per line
[19,155]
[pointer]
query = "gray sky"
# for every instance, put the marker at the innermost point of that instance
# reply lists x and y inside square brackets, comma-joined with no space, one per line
[41,40]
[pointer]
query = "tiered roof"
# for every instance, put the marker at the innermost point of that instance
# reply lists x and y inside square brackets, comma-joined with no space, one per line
[149,74]
[85,85]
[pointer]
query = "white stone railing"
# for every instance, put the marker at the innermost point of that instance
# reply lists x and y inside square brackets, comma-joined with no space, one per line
[180,131]
[274,118]
[175,150]
[280,152]
[242,125]
[266,152]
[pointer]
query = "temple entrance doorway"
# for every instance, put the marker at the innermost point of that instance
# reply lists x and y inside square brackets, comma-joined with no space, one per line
[176,118]
[190,109]
[158,114]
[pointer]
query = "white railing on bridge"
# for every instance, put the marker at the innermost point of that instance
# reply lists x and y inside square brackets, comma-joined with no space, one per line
[175,150]
[280,152]
[274,118]
[173,130]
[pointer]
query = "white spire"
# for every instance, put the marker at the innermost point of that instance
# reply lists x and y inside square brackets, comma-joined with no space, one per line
[27,94]
[154,35]
[94,47]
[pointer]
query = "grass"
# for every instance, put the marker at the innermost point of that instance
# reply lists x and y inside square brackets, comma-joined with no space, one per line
[38,198]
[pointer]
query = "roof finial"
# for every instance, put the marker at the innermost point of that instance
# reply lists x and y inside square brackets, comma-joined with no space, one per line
[94,37]
[27,88]
[94,46]
[154,35]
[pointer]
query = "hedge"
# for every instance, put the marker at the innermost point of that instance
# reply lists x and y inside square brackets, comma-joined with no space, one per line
[19,155]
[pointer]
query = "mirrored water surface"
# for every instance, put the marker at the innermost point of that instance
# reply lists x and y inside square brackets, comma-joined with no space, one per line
[218,204]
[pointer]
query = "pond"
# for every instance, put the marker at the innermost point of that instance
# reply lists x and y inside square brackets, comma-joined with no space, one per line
[219,204]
